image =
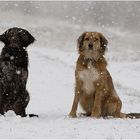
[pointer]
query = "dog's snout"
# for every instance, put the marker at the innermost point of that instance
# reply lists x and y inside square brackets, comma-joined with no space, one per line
[90,46]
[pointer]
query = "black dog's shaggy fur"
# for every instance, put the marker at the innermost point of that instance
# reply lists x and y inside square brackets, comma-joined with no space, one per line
[14,71]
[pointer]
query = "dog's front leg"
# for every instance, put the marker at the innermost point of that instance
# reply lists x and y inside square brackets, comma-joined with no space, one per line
[96,110]
[77,96]
[2,103]
[75,105]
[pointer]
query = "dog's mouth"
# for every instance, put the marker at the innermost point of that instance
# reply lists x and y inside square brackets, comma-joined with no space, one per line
[91,53]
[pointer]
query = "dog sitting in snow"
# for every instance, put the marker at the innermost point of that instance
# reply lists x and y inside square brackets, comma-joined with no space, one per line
[14,71]
[94,87]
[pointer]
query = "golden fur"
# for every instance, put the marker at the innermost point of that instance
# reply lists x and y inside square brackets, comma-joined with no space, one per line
[94,87]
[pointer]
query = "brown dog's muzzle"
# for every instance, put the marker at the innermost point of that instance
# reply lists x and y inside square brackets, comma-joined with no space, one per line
[90,46]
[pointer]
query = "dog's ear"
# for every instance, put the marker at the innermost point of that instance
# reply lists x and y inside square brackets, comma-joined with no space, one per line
[80,41]
[3,38]
[27,38]
[104,42]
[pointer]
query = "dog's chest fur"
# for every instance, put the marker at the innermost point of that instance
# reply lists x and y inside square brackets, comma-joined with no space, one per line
[13,72]
[89,76]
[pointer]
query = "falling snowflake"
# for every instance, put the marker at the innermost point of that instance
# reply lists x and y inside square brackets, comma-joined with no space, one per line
[11,57]
[18,72]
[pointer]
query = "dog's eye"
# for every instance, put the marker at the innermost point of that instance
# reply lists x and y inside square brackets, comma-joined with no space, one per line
[95,39]
[19,34]
[87,39]
[10,33]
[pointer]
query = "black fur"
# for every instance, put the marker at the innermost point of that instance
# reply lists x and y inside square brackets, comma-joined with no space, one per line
[80,42]
[104,43]
[133,115]
[14,71]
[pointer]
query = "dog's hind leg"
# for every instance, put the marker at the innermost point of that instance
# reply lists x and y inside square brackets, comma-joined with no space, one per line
[112,107]
[21,104]
[19,109]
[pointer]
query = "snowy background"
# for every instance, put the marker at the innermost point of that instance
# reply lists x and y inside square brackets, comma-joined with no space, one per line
[56,27]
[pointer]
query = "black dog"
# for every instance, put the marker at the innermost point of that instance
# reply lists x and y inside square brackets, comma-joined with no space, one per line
[14,71]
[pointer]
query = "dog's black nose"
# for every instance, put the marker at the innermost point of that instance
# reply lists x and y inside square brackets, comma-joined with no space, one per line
[90,46]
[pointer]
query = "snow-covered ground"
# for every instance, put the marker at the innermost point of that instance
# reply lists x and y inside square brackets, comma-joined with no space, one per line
[51,81]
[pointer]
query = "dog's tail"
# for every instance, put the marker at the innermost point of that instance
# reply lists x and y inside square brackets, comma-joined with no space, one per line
[32,115]
[133,115]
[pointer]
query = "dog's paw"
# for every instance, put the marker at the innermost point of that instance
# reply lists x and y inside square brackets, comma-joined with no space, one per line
[95,115]
[72,115]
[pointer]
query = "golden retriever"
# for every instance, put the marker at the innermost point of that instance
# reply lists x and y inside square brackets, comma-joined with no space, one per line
[94,88]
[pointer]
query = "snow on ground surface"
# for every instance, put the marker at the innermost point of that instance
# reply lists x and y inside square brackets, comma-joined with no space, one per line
[51,83]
